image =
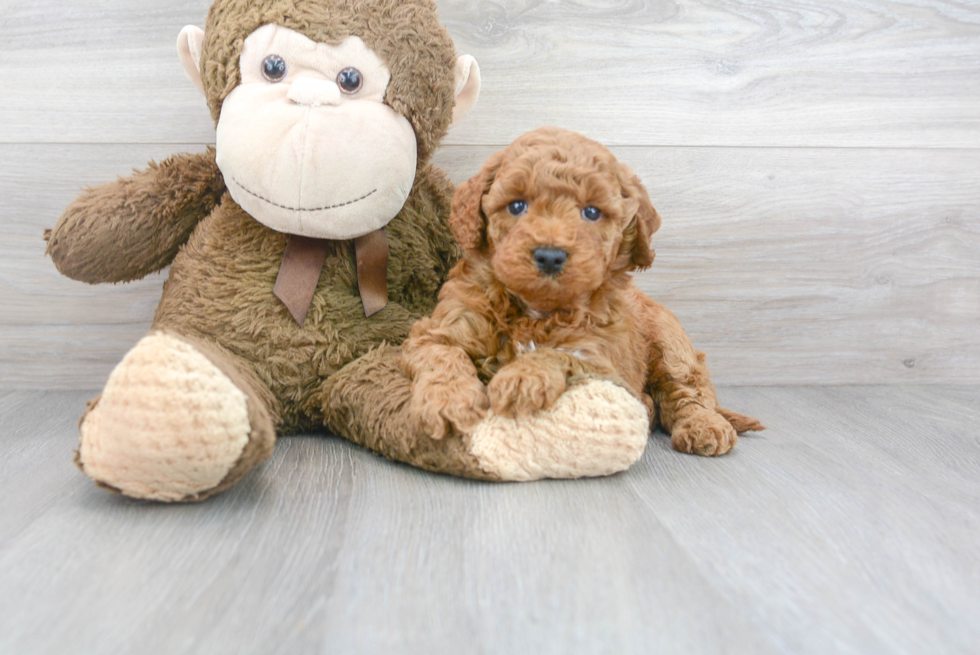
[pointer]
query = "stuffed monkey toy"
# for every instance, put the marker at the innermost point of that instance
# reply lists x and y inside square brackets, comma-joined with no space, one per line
[302,249]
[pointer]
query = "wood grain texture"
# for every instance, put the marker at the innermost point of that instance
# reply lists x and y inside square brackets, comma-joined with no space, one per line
[860,515]
[853,262]
[849,527]
[844,73]
[787,266]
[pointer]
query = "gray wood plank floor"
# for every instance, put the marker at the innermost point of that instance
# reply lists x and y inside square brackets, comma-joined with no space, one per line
[851,526]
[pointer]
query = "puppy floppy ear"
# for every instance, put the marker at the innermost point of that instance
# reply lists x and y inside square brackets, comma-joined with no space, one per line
[467,221]
[635,251]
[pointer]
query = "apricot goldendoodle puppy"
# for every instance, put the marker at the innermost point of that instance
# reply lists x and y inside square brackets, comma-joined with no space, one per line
[551,229]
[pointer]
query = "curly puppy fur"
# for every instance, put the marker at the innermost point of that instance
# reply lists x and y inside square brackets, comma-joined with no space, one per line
[513,324]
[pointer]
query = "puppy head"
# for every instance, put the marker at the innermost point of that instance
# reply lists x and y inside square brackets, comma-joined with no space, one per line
[556,216]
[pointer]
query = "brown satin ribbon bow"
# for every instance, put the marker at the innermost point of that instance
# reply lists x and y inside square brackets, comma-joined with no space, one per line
[303,261]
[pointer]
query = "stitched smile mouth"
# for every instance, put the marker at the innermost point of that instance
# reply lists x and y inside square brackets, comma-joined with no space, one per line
[300,209]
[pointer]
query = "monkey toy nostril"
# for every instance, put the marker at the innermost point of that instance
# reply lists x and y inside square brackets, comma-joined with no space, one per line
[550,260]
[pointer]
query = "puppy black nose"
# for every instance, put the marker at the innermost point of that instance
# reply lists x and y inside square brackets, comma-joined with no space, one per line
[550,260]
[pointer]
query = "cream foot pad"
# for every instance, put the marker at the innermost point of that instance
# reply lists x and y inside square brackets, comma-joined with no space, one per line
[596,428]
[169,424]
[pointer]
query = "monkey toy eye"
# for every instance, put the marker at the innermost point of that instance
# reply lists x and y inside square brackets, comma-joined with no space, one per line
[350,80]
[517,208]
[591,214]
[274,68]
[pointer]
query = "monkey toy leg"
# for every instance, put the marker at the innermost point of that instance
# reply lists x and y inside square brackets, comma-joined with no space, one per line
[595,428]
[681,388]
[179,420]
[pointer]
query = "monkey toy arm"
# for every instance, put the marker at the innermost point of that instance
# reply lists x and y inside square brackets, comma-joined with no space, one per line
[127,229]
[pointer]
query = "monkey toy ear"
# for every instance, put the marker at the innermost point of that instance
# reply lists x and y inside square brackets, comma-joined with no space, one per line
[467,87]
[190,44]
[467,220]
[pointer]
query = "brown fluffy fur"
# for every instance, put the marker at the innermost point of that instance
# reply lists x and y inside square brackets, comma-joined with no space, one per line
[507,336]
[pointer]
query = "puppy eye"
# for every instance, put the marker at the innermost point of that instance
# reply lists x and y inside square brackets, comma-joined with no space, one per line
[591,213]
[517,208]
[350,80]
[274,68]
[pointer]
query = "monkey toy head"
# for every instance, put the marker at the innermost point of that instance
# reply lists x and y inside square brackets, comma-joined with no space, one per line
[326,109]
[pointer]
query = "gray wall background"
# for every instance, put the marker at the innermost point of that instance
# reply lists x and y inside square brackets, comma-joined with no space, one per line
[816,165]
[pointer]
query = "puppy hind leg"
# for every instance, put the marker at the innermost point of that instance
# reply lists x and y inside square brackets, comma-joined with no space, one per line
[687,413]
[681,387]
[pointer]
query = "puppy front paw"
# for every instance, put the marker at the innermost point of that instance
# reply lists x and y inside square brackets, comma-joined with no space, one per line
[704,432]
[519,390]
[440,406]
